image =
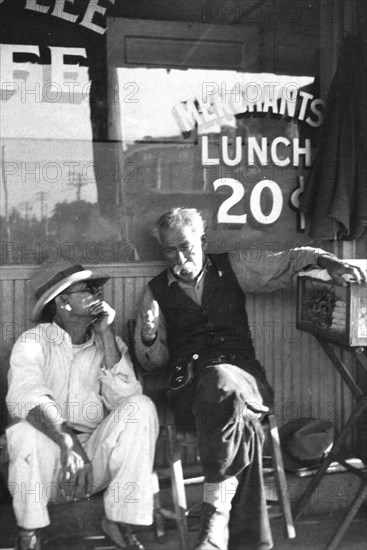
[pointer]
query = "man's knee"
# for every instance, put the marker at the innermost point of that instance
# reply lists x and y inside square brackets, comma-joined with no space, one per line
[23,437]
[221,412]
[217,398]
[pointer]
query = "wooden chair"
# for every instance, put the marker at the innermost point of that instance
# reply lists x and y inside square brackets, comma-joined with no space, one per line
[155,384]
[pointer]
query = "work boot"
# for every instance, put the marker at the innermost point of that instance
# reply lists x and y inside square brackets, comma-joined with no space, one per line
[121,534]
[214,532]
[28,539]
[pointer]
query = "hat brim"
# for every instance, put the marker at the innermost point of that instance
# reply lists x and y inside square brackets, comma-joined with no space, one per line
[292,463]
[58,288]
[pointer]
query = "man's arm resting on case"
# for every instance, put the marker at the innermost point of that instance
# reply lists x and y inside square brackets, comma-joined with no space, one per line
[337,268]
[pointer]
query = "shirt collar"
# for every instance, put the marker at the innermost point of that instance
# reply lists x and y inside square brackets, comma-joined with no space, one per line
[58,335]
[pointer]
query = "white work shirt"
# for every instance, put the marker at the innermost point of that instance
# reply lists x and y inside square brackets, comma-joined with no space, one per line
[47,369]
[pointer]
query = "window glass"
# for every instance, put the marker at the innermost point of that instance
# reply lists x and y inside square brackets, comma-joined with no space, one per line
[49,199]
[227,142]
[230,143]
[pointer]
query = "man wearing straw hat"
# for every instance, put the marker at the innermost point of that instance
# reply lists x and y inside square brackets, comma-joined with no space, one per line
[79,420]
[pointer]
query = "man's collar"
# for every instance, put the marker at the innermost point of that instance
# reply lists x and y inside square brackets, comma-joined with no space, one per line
[57,335]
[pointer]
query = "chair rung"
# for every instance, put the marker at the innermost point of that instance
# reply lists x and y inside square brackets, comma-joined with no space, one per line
[167,514]
[194,480]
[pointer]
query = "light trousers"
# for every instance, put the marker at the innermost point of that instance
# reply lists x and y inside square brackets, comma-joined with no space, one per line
[121,450]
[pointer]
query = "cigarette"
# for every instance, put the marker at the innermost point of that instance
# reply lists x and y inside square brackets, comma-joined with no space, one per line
[91,304]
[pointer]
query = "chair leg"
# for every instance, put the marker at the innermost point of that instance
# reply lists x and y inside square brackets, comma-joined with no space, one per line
[158,520]
[178,487]
[280,479]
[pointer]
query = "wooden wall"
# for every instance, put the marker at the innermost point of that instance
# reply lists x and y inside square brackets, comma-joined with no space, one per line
[305,382]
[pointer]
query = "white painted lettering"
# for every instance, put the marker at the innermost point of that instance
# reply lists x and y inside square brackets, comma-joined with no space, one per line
[317,108]
[289,100]
[34,6]
[59,11]
[255,202]
[306,97]
[254,148]
[205,159]
[298,151]
[58,68]
[274,153]
[186,114]
[238,151]
[92,9]
[9,66]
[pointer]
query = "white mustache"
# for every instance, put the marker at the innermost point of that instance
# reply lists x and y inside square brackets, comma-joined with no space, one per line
[187,267]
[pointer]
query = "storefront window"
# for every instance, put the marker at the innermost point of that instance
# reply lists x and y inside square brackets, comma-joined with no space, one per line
[49,199]
[96,145]
[230,143]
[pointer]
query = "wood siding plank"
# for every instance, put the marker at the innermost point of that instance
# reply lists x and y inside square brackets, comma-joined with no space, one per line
[305,381]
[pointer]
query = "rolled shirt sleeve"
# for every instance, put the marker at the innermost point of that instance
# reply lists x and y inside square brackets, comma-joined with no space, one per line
[120,381]
[27,384]
[267,272]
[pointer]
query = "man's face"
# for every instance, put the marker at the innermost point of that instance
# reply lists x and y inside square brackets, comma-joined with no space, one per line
[81,297]
[183,251]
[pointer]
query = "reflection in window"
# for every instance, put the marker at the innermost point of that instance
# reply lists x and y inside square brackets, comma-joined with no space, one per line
[49,197]
[174,114]
[172,109]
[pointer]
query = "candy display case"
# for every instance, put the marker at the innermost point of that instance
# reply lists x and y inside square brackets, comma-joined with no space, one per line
[337,314]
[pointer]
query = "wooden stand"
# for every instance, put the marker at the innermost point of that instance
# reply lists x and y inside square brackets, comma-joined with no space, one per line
[335,454]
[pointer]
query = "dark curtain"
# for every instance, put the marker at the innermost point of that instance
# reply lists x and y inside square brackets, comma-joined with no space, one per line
[335,198]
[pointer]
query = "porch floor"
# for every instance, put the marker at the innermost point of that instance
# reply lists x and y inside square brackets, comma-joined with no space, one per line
[73,529]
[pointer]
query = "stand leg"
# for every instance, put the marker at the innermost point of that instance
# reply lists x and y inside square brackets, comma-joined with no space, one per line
[348,518]
[333,455]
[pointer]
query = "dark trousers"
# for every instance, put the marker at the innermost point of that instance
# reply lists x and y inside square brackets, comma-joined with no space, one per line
[220,406]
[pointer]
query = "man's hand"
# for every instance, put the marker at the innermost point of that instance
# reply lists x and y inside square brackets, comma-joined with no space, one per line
[104,316]
[342,272]
[76,476]
[150,323]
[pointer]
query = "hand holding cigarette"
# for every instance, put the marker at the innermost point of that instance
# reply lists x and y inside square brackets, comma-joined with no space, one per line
[150,323]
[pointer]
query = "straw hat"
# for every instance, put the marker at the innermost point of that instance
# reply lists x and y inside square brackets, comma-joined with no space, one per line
[304,442]
[53,277]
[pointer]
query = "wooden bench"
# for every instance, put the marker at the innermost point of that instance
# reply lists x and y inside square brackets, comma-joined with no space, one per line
[303,378]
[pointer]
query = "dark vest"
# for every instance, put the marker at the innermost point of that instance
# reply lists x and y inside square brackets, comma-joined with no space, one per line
[219,325]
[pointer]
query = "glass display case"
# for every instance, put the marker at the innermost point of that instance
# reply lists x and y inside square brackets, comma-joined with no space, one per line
[337,314]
